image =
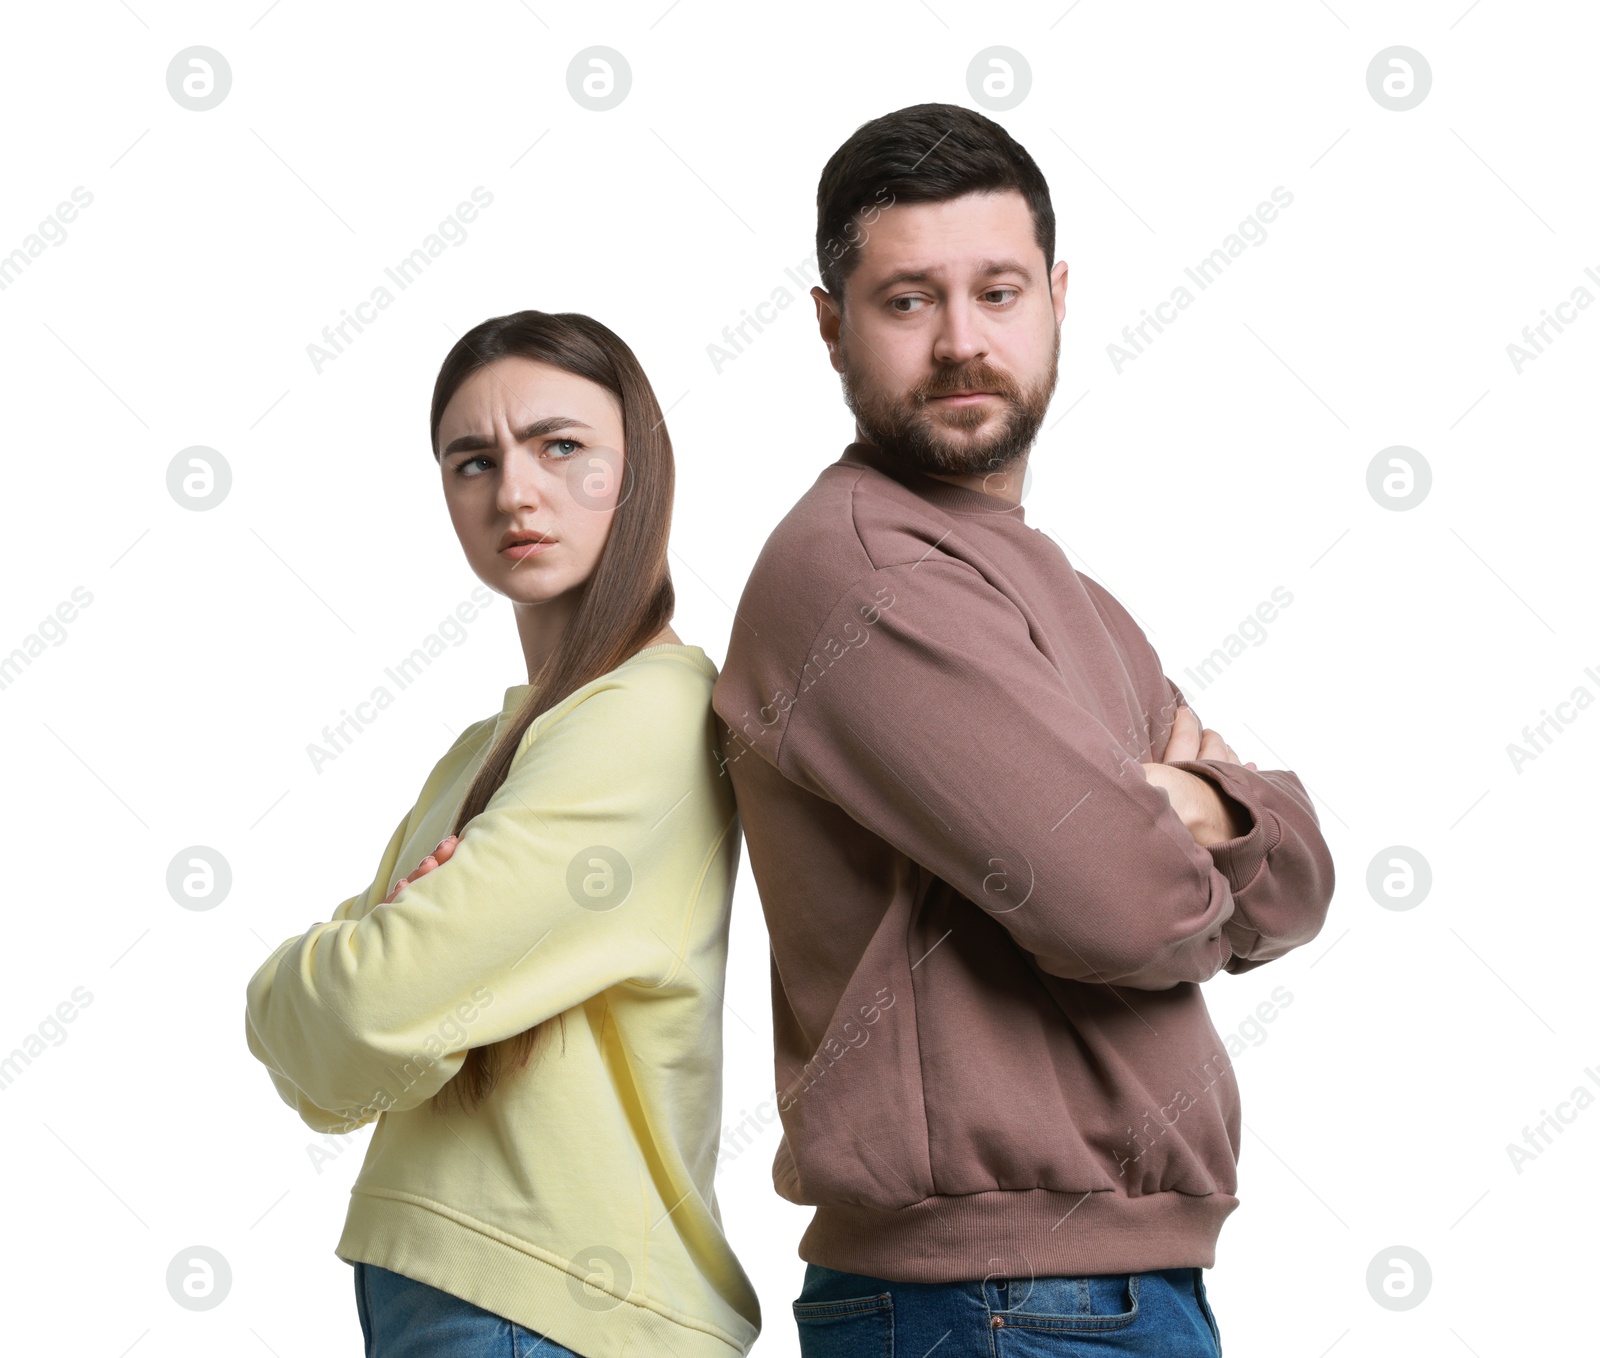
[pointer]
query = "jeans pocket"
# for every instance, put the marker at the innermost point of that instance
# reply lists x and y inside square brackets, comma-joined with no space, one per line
[362,1313]
[1076,1305]
[1205,1310]
[856,1327]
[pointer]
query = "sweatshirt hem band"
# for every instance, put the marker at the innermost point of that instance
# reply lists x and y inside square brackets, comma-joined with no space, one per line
[407,1238]
[1032,1232]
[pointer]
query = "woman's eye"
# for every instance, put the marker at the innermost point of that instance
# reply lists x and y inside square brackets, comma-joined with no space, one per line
[572,444]
[461,467]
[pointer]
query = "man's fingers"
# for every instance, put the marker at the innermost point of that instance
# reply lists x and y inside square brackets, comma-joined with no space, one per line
[1184,742]
[1212,746]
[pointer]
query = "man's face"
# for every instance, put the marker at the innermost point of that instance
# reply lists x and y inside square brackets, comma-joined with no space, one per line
[948,342]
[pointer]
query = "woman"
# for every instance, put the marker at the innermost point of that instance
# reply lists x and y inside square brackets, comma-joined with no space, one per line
[532,1014]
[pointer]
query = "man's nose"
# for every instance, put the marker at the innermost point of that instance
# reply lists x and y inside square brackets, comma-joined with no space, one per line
[960,338]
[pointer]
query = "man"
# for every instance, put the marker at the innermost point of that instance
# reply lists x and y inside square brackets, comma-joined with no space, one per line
[995,849]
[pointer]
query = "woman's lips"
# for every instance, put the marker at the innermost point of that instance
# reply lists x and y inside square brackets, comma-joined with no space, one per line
[518,550]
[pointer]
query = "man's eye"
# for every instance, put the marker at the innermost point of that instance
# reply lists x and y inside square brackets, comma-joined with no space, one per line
[910,302]
[1004,293]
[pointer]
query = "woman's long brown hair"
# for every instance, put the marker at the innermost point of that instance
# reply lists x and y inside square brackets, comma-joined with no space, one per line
[626,600]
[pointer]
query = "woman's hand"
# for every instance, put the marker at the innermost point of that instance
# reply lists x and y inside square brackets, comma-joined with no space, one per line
[447,846]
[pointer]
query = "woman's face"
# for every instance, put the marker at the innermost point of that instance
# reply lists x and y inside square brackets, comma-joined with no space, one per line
[531,452]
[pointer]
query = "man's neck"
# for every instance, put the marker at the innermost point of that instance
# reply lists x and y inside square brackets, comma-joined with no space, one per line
[1004,485]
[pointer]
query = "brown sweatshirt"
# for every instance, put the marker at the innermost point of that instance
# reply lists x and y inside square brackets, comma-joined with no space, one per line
[988,927]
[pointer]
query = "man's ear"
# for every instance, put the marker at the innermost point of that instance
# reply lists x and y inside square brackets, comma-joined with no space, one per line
[1058,289]
[828,324]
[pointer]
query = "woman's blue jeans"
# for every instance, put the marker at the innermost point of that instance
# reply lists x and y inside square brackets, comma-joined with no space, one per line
[402,1318]
[1162,1313]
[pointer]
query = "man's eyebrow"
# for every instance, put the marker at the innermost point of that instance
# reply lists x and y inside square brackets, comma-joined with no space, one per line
[473,442]
[987,269]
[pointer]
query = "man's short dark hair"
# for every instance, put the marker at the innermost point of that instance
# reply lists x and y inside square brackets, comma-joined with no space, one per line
[925,153]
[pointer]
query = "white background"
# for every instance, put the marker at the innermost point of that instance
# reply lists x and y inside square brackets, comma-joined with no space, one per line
[1228,458]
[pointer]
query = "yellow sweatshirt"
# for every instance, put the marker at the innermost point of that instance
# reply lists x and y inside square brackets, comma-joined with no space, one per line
[578,1200]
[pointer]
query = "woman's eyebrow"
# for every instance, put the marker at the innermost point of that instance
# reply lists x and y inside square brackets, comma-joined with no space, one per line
[548,425]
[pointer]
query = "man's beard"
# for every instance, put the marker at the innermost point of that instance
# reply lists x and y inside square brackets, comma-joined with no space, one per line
[910,433]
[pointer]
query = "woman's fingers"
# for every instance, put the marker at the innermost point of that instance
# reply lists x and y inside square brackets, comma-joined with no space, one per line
[447,846]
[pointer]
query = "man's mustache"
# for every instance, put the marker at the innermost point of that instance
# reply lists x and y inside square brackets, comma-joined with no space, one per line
[972,379]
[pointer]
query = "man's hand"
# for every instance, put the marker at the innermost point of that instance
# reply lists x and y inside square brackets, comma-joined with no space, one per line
[447,846]
[1208,816]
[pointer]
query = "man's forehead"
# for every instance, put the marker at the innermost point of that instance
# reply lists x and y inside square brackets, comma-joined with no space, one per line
[975,233]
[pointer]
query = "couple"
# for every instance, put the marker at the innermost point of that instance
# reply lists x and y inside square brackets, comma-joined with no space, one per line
[996,852]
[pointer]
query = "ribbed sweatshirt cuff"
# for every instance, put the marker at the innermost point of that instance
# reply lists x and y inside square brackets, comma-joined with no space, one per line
[1238,859]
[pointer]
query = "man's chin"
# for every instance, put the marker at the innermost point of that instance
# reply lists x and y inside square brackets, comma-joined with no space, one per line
[955,448]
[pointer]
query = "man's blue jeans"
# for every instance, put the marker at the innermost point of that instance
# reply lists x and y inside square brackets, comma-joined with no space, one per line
[402,1318]
[1162,1313]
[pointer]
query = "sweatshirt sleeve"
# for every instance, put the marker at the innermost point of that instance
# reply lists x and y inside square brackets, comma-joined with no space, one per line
[940,726]
[535,911]
[1280,869]
[320,1119]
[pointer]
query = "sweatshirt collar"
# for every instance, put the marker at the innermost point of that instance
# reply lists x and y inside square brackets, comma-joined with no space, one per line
[943,494]
[515,694]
